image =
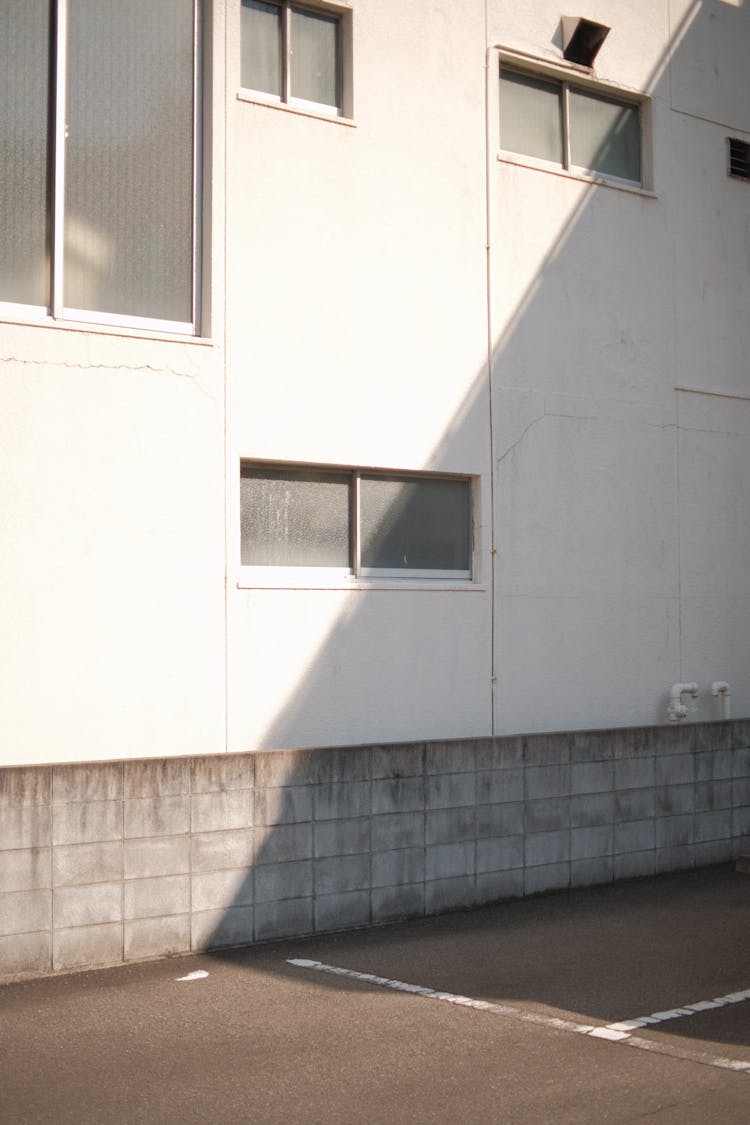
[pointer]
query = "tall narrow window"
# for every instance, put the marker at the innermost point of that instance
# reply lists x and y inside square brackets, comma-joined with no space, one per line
[97,190]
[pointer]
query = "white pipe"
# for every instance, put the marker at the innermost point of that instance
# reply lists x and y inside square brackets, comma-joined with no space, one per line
[676,709]
[720,689]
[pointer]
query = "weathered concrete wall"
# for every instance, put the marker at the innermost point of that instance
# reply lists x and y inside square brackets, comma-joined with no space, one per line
[118,861]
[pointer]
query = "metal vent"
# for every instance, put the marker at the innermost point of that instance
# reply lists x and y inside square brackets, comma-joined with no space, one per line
[739,158]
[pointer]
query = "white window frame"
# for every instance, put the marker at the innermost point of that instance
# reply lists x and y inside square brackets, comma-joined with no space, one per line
[572,76]
[313,577]
[58,312]
[342,13]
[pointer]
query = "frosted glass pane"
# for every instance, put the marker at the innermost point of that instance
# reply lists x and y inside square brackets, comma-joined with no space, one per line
[129,170]
[605,136]
[261,46]
[295,517]
[314,54]
[531,116]
[24,127]
[415,524]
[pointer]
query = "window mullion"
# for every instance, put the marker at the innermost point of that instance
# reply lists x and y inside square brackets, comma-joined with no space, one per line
[286,53]
[566,124]
[58,157]
[356,537]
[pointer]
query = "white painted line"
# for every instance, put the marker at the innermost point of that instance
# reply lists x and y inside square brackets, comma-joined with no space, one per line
[199,974]
[613,1032]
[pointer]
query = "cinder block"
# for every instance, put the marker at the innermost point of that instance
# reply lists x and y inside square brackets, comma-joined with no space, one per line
[679,858]
[342,764]
[284,842]
[25,785]
[449,894]
[448,790]
[450,757]
[26,870]
[713,851]
[277,881]
[499,853]
[635,836]
[450,826]
[221,929]
[674,830]
[592,809]
[157,816]
[390,903]
[592,777]
[290,804]
[630,742]
[218,851]
[159,855]
[86,781]
[675,769]
[591,843]
[494,886]
[711,795]
[591,872]
[713,826]
[279,768]
[674,800]
[548,815]
[25,827]
[398,761]
[153,898]
[342,837]
[397,830]
[220,890]
[635,773]
[25,911]
[741,791]
[632,865]
[334,801]
[741,762]
[87,946]
[87,906]
[502,752]
[547,781]
[156,937]
[166,777]
[341,911]
[445,861]
[499,786]
[547,750]
[25,953]
[500,820]
[223,811]
[87,823]
[290,918]
[548,877]
[547,848]
[404,866]
[335,874]
[635,804]
[216,773]
[591,746]
[398,795]
[87,863]
[740,822]
[713,765]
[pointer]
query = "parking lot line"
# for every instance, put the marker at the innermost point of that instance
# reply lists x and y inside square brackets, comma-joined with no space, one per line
[616,1032]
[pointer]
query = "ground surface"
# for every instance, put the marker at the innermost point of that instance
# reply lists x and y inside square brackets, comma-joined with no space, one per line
[261,1040]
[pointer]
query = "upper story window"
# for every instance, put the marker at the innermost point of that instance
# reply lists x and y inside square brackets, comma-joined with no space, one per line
[293,54]
[98,151]
[570,126]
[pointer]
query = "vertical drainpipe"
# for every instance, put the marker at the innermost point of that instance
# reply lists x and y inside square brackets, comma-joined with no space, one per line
[488,54]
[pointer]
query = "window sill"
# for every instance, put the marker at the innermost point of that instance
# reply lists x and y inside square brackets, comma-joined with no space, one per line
[299,111]
[254,581]
[579,177]
[12,316]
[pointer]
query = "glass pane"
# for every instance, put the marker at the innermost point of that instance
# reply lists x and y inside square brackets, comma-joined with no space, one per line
[605,136]
[24,128]
[531,116]
[415,524]
[314,54]
[129,170]
[295,517]
[260,33]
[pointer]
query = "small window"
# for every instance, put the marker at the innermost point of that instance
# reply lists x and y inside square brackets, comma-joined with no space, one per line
[361,524]
[569,126]
[292,54]
[739,158]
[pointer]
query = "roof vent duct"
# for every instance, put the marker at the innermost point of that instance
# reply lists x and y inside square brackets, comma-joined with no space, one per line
[582,39]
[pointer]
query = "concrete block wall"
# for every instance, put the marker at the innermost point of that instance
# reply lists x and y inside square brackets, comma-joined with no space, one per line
[103,863]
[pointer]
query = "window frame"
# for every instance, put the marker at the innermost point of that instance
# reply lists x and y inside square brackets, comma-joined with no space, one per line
[57,313]
[259,576]
[573,77]
[342,111]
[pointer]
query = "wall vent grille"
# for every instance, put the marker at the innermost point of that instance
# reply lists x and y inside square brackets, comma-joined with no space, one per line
[739,158]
